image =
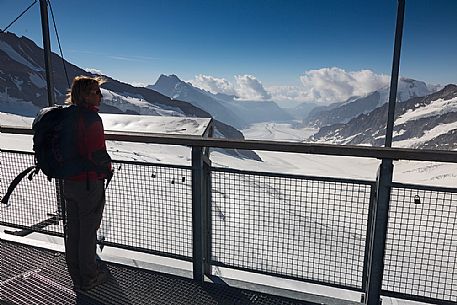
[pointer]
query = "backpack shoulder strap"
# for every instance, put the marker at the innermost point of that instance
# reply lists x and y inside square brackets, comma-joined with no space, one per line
[15,182]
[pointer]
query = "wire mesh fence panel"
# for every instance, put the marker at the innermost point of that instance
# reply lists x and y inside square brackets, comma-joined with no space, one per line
[149,207]
[304,228]
[33,204]
[421,245]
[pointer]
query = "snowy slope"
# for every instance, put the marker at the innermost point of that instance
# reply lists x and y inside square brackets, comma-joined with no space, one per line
[427,122]
[128,103]
[23,88]
[355,106]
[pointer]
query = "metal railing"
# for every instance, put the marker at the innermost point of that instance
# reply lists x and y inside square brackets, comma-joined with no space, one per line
[313,229]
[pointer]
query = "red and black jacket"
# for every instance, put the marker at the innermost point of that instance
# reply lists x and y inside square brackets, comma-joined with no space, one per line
[90,136]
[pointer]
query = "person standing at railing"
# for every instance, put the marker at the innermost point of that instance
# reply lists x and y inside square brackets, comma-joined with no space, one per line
[84,193]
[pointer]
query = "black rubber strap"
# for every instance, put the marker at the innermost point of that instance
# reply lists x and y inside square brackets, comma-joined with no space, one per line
[15,182]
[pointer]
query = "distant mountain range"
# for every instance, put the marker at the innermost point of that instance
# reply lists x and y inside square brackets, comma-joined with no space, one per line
[302,111]
[428,122]
[223,107]
[354,106]
[23,89]
[424,118]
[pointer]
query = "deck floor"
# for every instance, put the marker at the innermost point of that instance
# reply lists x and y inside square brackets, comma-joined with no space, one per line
[30,275]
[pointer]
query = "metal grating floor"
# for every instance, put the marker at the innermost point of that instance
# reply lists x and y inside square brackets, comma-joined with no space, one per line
[30,275]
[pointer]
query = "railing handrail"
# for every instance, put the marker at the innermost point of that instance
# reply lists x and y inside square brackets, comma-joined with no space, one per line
[279,146]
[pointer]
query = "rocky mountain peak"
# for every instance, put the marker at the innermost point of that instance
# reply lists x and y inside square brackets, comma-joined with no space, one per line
[167,80]
[355,106]
[166,84]
[421,122]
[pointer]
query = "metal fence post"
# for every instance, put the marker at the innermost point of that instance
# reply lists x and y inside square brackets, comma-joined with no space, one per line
[61,209]
[378,234]
[47,52]
[207,202]
[370,221]
[378,230]
[199,243]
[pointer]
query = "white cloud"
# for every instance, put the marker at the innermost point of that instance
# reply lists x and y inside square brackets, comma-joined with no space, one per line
[213,84]
[245,87]
[93,71]
[334,84]
[324,85]
[249,88]
[288,93]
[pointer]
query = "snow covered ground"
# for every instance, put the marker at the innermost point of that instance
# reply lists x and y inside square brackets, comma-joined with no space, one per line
[415,172]
[277,132]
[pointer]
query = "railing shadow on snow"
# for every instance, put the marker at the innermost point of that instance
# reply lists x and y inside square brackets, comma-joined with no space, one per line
[343,233]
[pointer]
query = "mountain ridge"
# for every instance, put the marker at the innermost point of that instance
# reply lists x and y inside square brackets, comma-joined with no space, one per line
[22,80]
[343,112]
[415,119]
[226,107]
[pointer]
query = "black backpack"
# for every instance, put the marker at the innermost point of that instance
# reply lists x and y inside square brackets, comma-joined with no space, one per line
[55,146]
[55,142]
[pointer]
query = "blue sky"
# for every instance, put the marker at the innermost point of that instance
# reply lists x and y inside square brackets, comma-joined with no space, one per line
[268,43]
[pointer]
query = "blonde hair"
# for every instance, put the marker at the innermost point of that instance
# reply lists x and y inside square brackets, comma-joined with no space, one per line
[80,87]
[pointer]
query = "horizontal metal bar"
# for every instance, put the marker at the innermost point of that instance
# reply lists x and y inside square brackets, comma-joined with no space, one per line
[143,163]
[411,297]
[289,277]
[305,148]
[308,148]
[144,250]
[291,176]
[15,130]
[21,152]
[425,187]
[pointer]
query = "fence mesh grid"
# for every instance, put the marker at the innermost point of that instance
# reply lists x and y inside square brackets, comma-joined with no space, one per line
[421,246]
[149,207]
[295,227]
[32,202]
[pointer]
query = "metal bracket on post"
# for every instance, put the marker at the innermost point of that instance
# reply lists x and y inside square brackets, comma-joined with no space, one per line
[199,215]
[378,234]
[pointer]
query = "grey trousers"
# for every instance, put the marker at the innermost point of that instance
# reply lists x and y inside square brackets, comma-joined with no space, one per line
[84,214]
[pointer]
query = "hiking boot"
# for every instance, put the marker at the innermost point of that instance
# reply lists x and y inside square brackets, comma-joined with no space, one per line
[99,279]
